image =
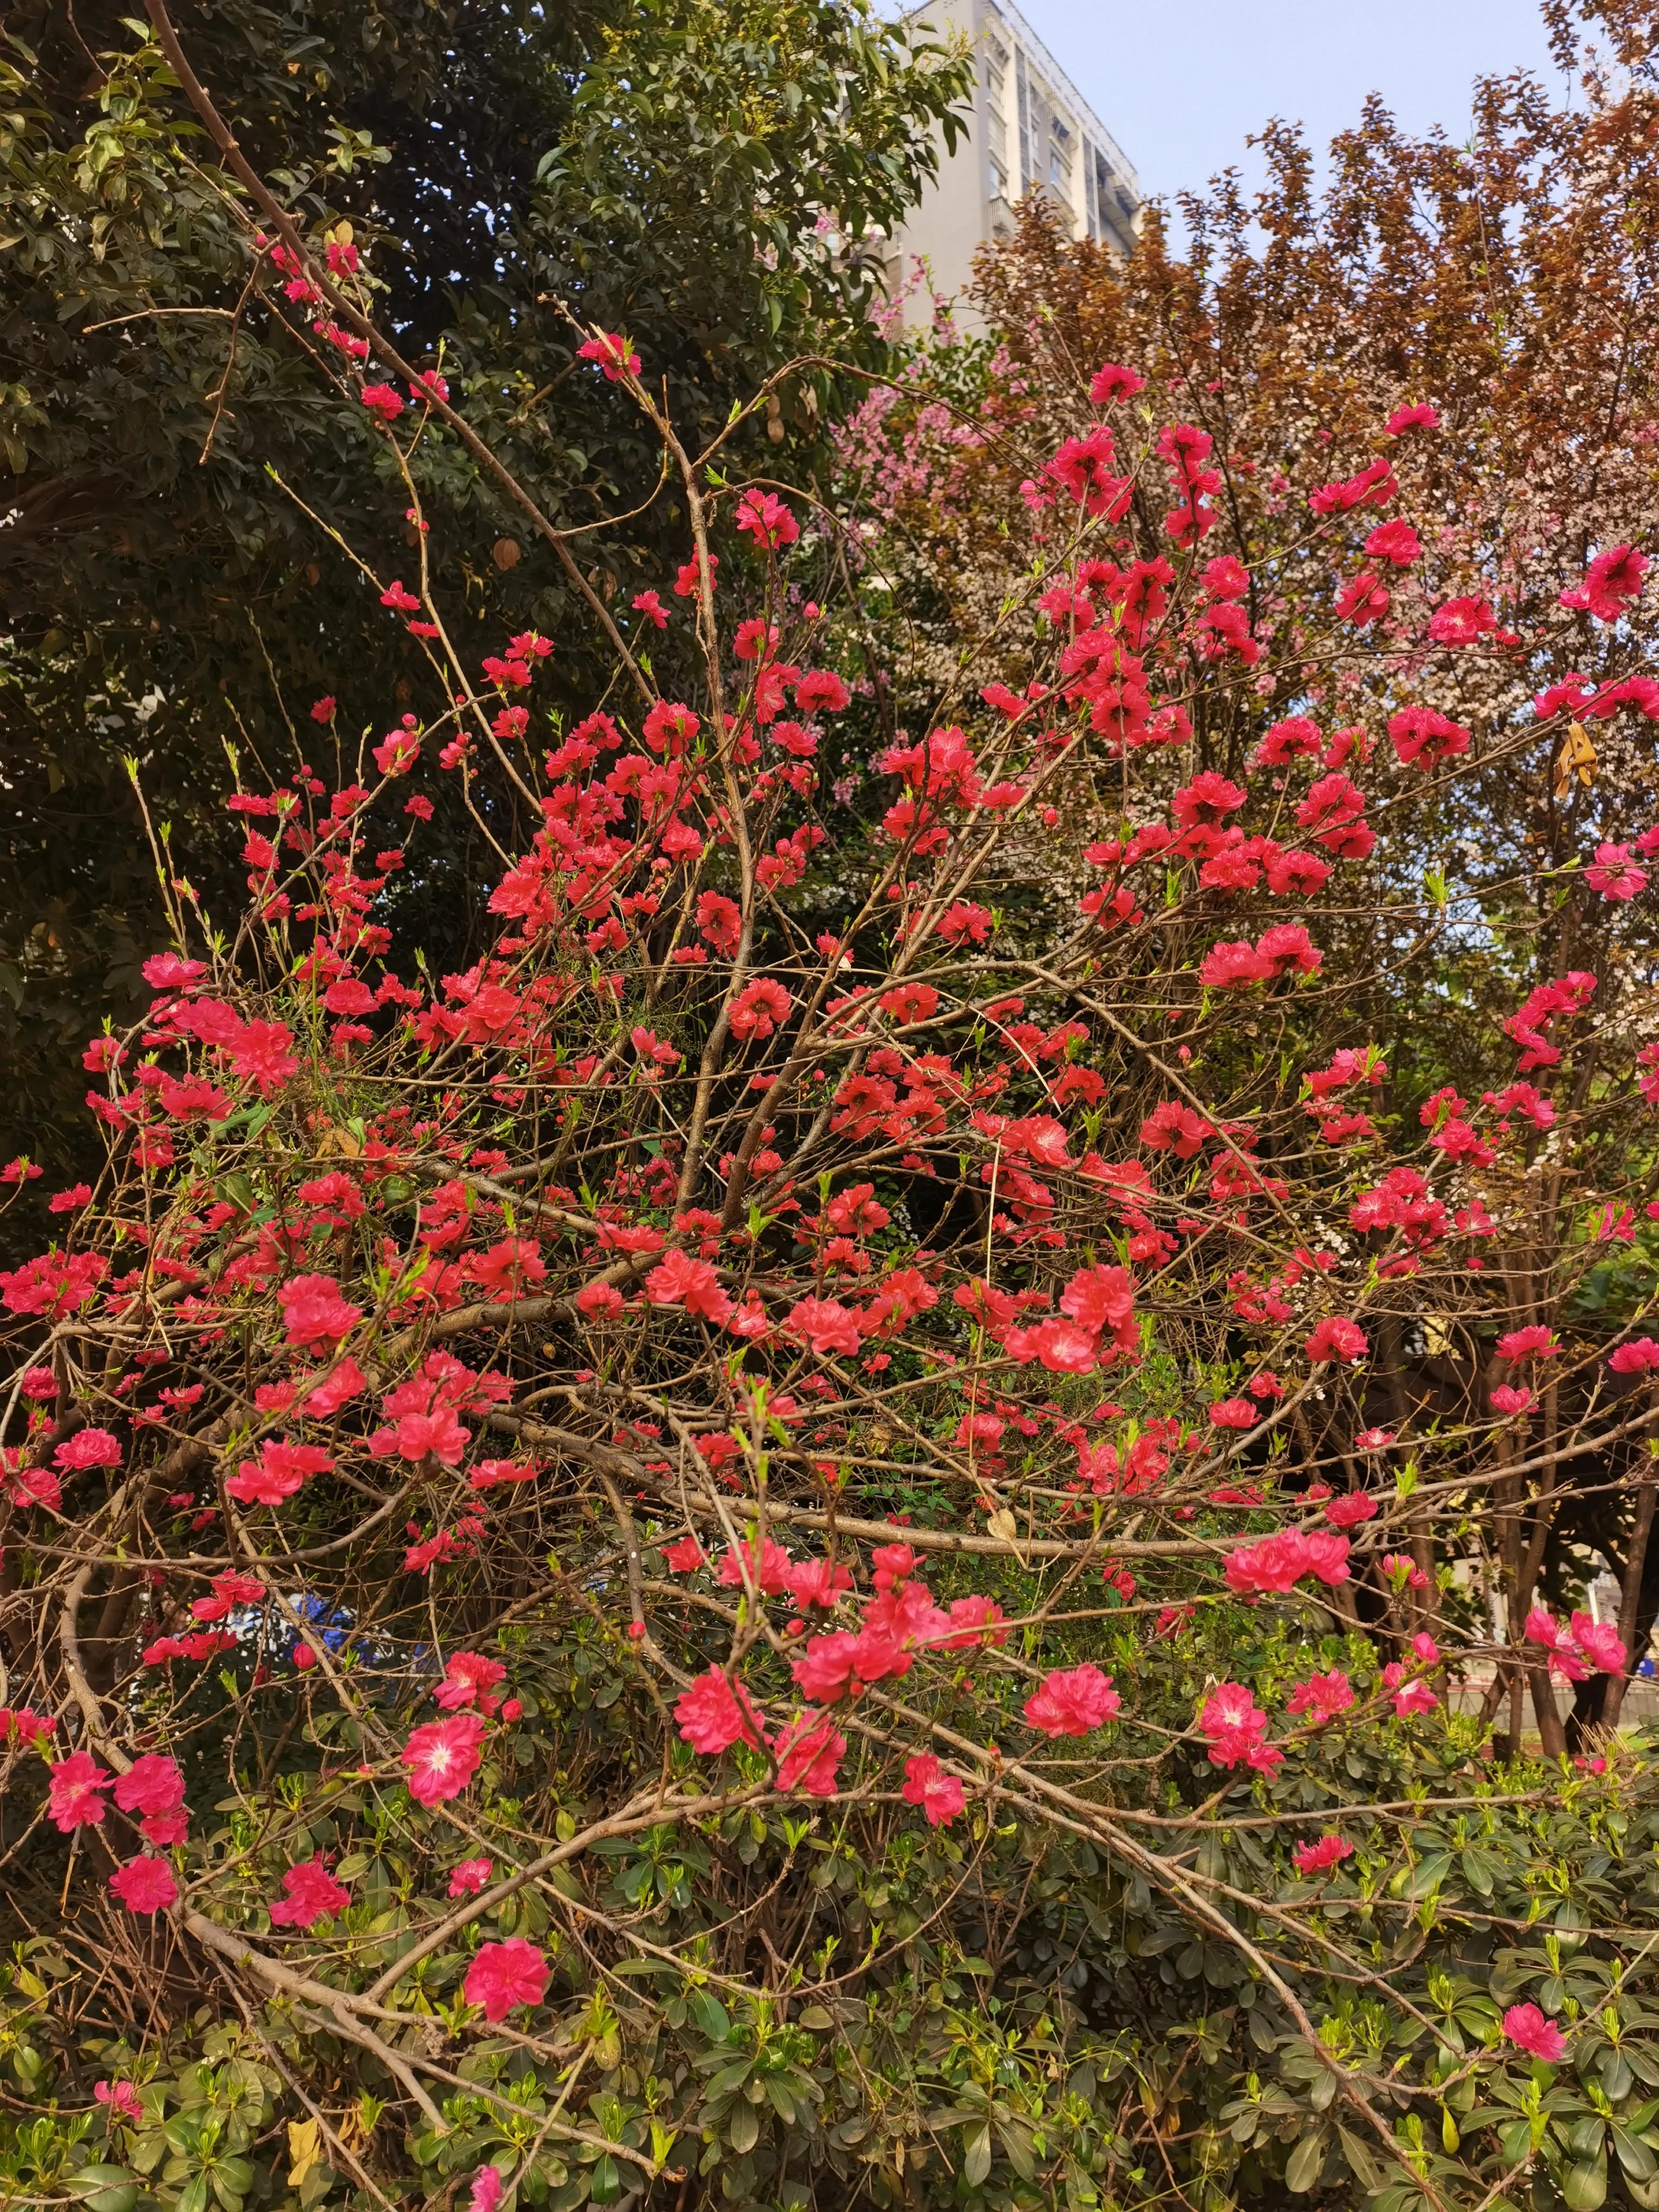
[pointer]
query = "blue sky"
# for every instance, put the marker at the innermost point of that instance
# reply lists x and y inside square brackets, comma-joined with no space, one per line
[1181,87]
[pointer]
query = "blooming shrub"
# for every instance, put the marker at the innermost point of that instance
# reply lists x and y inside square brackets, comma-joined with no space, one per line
[722,1559]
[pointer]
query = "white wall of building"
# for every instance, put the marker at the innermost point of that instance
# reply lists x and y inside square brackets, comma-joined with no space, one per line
[1028,129]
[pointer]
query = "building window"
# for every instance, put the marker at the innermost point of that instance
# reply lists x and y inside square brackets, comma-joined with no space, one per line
[1024,98]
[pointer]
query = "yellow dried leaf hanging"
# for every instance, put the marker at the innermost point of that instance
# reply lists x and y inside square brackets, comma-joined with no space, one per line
[1577,758]
[305,2149]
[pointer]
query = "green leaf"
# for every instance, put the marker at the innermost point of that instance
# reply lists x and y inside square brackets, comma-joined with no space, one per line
[1584,2185]
[1306,2160]
[977,2162]
[742,2129]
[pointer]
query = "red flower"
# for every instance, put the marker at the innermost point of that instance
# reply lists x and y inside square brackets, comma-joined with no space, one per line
[1528,2029]
[616,357]
[939,1794]
[808,1752]
[87,1447]
[313,1311]
[720,922]
[767,1565]
[1062,1346]
[1317,1858]
[469,1678]
[504,1976]
[825,1325]
[1612,581]
[712,1718]
[75,1792]
[1073,1701]
[815,1582]
[1107,387]
[1425,737]
[759,1008]
[1534,1342]
[468,1879]
[1614,874]
[1101,1299]
[442,1758]
[309,1892]
[1460,622]
[1276,1563]
[1234,1726]
[1348,1511]
[1395,542]
[681,1280]
[145,1885]
[1336,1338]
[826,1666]
[278,1473]
[767,519]
[1322,1697]
[154,1786]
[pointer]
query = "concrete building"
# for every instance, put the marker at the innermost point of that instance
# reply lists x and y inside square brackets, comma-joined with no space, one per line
[1028,129]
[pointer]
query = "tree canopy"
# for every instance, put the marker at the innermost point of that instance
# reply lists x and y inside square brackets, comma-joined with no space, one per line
[184,464]
[938,1492]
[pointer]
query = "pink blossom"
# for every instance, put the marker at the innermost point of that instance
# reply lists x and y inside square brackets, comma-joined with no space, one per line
[280,1471]
[121,2097]
[145,1885]
[1350,1510]
[808,1752]
[313,1311]
[1317,1858]
[1638,1358]
[1334,1338]
[442,1758]
[74,1793]
[711,1718]
[1614,874]
[815,1582]
[1409,1697]
[1322,1697]
[825,1668]
[487,2190]
[767,1567]
[940,1795]
[87,1447]
[1235,1727]
[681,1280]
[614,353]
[468,1879]
[154,1787]
[1536,1341]
[504,1976]
[1600,1641]
[309,1892]
[825,1325]
[1276,1563]
[1073,1701]
[469,1680]
[1062,1346]
[1528,2029]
